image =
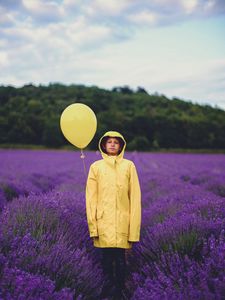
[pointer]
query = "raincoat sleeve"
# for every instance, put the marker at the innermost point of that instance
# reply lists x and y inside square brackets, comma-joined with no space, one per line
[91,202]
[135,206]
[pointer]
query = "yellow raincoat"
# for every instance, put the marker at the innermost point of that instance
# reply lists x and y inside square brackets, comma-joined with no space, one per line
[113,200]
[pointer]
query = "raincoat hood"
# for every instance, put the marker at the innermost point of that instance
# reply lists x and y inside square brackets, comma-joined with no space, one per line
[116,135]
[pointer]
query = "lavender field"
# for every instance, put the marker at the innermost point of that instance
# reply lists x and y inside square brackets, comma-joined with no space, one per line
[45,249]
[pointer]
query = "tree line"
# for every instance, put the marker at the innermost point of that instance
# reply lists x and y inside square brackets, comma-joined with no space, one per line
[30,115]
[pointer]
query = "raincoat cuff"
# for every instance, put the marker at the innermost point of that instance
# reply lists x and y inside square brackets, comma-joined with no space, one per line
[93,234]
[133,240]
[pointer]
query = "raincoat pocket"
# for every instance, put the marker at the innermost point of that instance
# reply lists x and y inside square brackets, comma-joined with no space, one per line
[99,213]
[100,223]
[123,226]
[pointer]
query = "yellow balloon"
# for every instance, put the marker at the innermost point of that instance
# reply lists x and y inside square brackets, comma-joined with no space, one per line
[78,124]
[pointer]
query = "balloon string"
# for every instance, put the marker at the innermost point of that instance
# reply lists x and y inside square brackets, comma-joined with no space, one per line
[83,157]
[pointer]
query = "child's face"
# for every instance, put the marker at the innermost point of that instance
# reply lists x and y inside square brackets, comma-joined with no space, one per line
[112,146]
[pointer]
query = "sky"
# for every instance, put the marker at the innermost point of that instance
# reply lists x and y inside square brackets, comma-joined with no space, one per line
[170,47]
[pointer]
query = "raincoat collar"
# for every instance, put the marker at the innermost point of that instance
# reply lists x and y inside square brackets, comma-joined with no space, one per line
[112,159]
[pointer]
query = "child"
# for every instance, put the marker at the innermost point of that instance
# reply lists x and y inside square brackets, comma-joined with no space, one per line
[113,207]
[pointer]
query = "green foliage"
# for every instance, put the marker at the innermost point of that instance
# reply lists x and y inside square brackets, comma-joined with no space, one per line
[139,142]
[9,191]
[218,189]
[187,243]
[30,115]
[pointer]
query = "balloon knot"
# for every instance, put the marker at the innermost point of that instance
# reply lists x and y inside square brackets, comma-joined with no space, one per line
[82,156]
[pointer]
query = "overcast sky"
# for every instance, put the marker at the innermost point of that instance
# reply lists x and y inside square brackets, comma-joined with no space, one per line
[173,47]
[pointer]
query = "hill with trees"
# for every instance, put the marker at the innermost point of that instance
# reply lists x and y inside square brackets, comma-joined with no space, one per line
[30,115]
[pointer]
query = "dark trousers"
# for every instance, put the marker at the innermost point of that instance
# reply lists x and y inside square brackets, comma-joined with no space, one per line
[114,267]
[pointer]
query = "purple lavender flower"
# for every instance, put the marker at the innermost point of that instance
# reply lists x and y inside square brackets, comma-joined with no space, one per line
[45,249]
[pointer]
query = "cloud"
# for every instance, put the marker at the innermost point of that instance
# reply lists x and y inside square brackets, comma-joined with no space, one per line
[96,42]
[11,4]
[190,6]
[143,17]
[113,12]
[214,7]
[44,11]
[4,61]
[7,18]
[108,8]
